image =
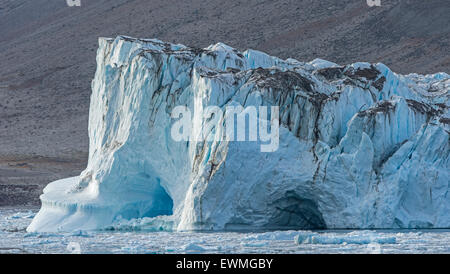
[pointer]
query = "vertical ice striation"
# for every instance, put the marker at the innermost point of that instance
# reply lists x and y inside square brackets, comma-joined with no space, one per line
[360,146]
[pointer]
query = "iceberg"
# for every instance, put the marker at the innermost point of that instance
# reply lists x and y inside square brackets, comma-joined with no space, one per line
[360,146]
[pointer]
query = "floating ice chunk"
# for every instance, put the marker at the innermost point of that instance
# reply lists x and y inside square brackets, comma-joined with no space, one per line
[22,215]
[336,239]
[255,244]
[274,236]
[80,233]
[193,247]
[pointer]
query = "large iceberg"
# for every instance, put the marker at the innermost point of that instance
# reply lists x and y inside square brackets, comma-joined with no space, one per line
[359,145]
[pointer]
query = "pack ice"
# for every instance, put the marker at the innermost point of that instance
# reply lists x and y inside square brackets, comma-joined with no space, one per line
[359,145]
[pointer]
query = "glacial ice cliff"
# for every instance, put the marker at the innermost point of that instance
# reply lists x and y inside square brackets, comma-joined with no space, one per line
[359,145]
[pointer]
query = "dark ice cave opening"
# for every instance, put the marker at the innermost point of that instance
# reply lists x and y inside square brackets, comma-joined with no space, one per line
[162,203]
[157,201]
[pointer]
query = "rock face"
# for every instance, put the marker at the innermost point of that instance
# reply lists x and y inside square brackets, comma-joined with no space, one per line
[359,145]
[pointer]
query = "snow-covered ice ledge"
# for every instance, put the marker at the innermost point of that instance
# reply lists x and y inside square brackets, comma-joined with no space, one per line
[360,146]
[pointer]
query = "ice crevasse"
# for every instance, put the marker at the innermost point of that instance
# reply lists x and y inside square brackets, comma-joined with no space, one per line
[359,145]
